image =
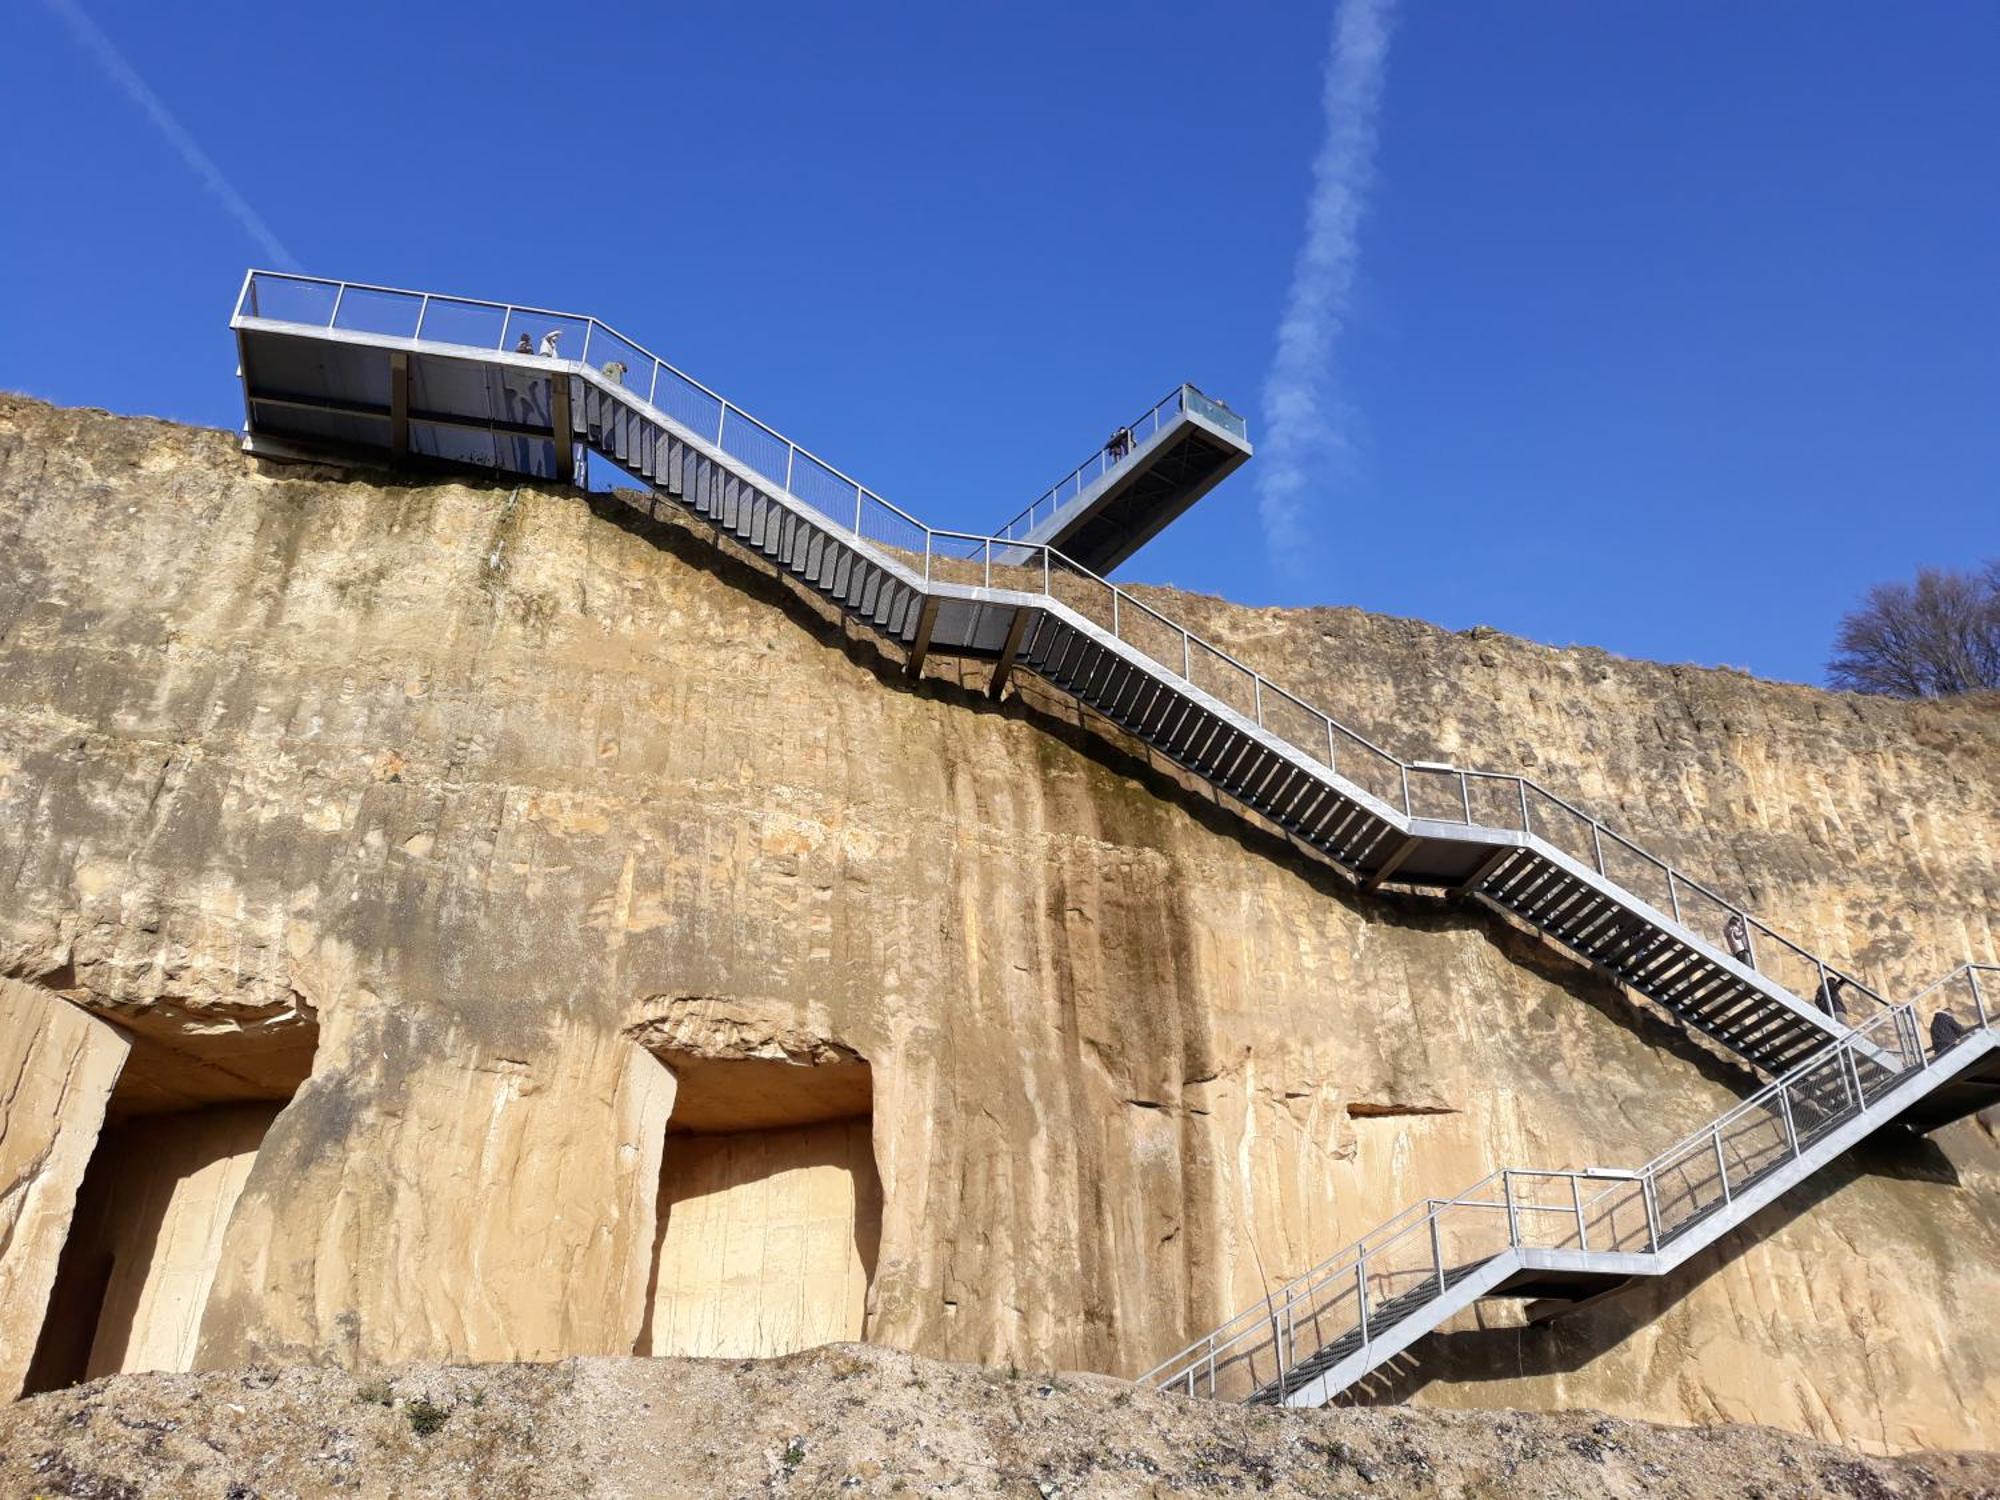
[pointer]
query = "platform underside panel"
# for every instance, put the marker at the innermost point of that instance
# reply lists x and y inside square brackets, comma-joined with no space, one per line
[340,397]
[965,628]
[1104,528]
[1442,862]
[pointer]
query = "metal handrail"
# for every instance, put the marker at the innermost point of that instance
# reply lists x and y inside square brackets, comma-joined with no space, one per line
[1330,735]
[1260,1320]
[1072,484]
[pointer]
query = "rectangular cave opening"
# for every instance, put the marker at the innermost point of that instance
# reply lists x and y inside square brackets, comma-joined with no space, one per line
[770,1209]
[182,1126]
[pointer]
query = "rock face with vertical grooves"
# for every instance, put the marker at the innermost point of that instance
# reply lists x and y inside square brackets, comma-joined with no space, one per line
[503,789]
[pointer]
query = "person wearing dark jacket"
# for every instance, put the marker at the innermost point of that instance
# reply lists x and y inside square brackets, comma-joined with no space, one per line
[1828,999]
[1947,1031]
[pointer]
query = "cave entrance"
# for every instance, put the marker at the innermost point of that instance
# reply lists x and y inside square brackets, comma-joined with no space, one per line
[770,1208]
[181,1129]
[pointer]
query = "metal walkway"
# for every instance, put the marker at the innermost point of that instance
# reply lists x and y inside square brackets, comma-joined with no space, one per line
[345,370]
[1563,1239]
[1122,496]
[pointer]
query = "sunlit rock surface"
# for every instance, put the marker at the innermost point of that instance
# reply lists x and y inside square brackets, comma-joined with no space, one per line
[470,825]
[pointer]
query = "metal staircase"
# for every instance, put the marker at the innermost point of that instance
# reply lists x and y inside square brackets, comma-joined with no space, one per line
[337,368]
[1563,1239]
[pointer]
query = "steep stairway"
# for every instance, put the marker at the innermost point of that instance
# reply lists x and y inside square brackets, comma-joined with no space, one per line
[1563,1239]
[341,369]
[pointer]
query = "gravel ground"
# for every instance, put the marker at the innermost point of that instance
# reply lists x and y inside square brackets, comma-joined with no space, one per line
[852,1420]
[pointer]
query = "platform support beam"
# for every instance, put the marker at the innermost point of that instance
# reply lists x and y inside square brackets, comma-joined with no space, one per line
[920,645]
[1393,863]
[565,435]
[1017,630]
[1486,868]
[399,402]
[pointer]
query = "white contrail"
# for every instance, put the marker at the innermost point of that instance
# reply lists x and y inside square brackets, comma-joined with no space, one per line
[99,46]
[1298,428]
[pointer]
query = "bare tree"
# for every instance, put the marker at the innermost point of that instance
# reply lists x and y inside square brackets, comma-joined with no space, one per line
[1930,639]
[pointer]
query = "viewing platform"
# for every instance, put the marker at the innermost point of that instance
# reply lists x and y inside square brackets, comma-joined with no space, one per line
[1122,496]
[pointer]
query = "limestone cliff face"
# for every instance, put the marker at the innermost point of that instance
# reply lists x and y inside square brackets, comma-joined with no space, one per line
[543,815]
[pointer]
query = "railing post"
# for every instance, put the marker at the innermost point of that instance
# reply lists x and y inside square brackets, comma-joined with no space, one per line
[987,547]
[1651,1200]
[1465,796]
[1597,843]
[589,328]
[1854,1076]
[333,318]
[653,388]
[1576,1197]
[1406,791]
[423,311]
[1257,697]
[1721,1163]
[721,416]
[1114,615]
[1521,784]
[791,453]
[857,510]
[1330,755]
[1674,895]
[1187,657]
[1361,1292]
[1513,1213]
[1437,1250]
[1791,1125]
[1978,998]
[1047,591]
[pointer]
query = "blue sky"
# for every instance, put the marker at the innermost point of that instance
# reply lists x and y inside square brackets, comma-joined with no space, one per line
[1673,326]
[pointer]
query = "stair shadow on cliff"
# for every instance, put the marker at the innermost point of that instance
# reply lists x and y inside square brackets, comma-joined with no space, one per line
[1064,720]
[1565,1344]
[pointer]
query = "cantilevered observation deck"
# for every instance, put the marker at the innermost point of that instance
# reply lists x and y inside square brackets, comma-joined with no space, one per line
[1123,495]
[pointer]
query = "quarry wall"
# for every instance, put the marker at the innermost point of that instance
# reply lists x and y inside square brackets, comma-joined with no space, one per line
[472,828]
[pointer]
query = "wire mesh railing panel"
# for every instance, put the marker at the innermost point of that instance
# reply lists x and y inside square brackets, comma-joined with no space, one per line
[291,299]
[687,403]
[1223,678]
[1440,795]
[1755,1142]
[1629,866]
[551,335]
[618,359]
[821,487]
[1546,1209]
[454,320]
[1556,822]
[750,442]
[1496,800]
[962,560]
[1373,770]
[882,523]
[1687,1186]
[1402,1271]
[1083,592]
[1148,631]
[1615,1216]
[1297,723]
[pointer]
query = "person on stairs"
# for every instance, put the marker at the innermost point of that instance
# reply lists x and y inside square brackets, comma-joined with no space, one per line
[1120,444]
[1828,999]
[1947,1031]
[1736,935]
